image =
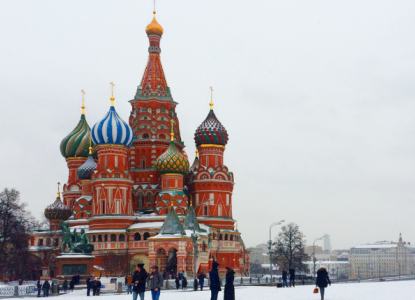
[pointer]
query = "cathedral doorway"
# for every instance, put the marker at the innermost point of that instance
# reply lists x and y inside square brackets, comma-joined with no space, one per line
[139,259]
[172,262]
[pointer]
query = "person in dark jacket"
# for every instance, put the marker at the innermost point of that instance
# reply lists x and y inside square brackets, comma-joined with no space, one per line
[292,276]
[214,281]
[65,285]
[88,285]
[97,286]
[139,281]
[184,283]
[177,281]
[284,278]
[155,282]
[202,277]
[39,288]
[229,288]
[46,288]
[71,285]
[322,280]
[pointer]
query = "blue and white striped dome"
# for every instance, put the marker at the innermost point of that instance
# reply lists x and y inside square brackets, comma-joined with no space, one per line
[112,130]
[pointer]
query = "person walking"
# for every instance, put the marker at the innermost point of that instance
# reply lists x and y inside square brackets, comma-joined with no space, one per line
[65,285]
[292,276]
[184,284]
[129,283]
[155,281]
[284,278]
[214,281]
[39,288]
[88,285]
[46,288]
[139,281]
[71,285]
[322,280]
[177,281]
[229,288]
[202,277]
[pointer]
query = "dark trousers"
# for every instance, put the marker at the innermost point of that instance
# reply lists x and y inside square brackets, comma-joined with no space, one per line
[214,294]
[45,293]
[322,292]
[38,292]
[201,285]
[88,290]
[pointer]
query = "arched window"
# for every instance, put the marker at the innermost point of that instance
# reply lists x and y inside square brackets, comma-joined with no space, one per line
[205,211]
[137,236]
[94,239]
[113,238]
[106,238]
[143,164]
[203,246]
[226,237]
[149,197]
[146,235]
[99,238]
[162,136]
[220,237]
[231,237]
[122,238]
[146,136]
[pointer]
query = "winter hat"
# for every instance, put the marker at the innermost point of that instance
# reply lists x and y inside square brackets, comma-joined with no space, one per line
[155,267]
[140,266]
[227,268]
[215,265]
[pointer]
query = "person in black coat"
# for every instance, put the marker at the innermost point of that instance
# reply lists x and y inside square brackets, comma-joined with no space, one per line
[202,277]
[214,281]
[46,288]
[88,285]
[229,288]
[292,276]
[184,284]
[322,280]
[39,288]
[71,285]
[65,286]
[284,278]
[139,281]
[177,281]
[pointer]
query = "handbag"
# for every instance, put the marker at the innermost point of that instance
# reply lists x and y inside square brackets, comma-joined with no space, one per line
[315,290]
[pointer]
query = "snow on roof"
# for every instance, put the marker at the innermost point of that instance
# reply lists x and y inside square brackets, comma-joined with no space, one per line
[39,248]
[74,255]
[108,231]
[146,225]
[99,268]
[375,246]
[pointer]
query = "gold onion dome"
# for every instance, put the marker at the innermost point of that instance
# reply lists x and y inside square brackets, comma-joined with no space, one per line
[154,27]
[172,161]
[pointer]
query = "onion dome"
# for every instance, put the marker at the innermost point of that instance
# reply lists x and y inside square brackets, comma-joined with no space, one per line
[211,131]
[154,27]
[195,164]
[112,129]
[76,143]
[58,210]
[84,172]
[172,161]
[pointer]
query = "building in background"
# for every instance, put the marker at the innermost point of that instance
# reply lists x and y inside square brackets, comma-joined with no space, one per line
[326,243]
[131,188]
[382,259]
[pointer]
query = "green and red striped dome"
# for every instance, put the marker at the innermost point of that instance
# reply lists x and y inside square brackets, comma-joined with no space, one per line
[76,144]
[211,131]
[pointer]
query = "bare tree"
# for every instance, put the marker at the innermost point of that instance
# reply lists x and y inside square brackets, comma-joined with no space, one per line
[289,248]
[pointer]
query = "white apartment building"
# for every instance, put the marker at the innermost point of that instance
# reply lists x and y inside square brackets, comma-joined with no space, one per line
[382,259]
[337,269]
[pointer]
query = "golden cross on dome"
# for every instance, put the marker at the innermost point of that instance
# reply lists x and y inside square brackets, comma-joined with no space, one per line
[211,98]
[112,93]
[197,154]
[154,6]
[90,146]
[172,130]
[191,202]
[58,190]
[83,103]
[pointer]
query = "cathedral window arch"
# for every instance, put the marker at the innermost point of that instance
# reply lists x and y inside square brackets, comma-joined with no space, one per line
[145,136]
[149,197]
[146,236]
[226,237]
[137,236]
[113,238]
[220,237]
[122,238]
[143,163]
[99,238]
[94,238]
[231,237]
[140,199]
[205,210]
[106,238]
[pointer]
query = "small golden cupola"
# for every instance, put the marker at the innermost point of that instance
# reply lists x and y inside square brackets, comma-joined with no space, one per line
[154,28]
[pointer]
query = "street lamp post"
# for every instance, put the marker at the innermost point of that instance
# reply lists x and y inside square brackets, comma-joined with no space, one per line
[314,256]
[194,237]
[270,247]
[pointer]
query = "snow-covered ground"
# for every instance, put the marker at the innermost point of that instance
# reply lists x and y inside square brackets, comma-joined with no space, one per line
[398,290]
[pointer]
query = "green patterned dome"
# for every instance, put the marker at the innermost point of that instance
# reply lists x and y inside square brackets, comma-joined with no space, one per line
[76,144]
[172,161]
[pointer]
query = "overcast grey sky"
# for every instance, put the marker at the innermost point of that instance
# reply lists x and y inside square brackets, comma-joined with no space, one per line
[317,97]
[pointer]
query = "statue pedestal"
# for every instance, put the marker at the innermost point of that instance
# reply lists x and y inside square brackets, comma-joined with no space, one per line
[71,263]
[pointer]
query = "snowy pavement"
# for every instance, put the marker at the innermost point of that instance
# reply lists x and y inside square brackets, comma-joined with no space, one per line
[397,290]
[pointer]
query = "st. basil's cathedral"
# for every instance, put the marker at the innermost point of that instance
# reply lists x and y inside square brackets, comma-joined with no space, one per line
[133,191]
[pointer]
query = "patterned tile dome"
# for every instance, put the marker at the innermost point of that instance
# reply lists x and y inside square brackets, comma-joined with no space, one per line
[76,143]
[112,130]
[211,131]
[84,172]
[58,210]
[172,161]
